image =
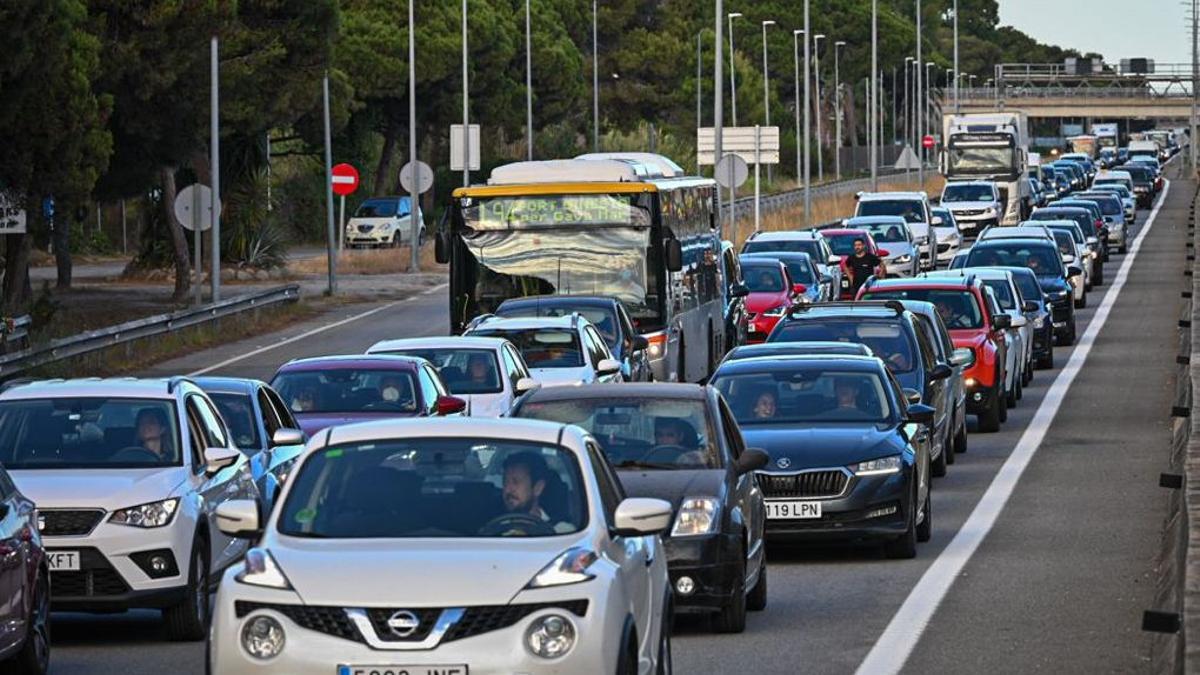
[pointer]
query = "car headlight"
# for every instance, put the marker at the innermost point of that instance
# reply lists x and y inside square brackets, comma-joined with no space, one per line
[1058,295]
[154,514]
[901,259]
[775,311]
[878,467]
[921,241]
[697,515]
[571,567]
[263,637]
[284,469]
[990,212]
[1040,322]
[260,569]
[550,636]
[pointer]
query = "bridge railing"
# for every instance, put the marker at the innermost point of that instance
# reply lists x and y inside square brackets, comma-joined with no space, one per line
[1057,92]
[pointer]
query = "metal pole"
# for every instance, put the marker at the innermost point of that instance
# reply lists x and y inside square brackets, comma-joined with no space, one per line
[466,112]
[268,172]
[837,110]
[796,57]
[124,232]
[341,222]
[414,204]
[595,85]
[895,105]
[757,182]
[732,68]
[920,108]
[874,68]
[957,105]
[766,89]
[699,87]
[817,84]
[1193,140]
[331,248]
[807,124]
[928,104]
[215,130]
[719,106]
[528,80]
[197,240]
[908,125]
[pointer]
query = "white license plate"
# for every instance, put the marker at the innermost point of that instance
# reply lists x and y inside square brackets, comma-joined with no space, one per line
[793,510]
[63,561]
[401,670]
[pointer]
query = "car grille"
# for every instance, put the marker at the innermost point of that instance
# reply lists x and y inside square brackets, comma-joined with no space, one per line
[96,577]
[484,619]
[379,618]
[328,620]
[810,484]
[365,228]
[942,248]
[55,523]
[968,212]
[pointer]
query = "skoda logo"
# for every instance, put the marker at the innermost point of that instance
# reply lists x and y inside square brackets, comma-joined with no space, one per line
[784,462]
[403,623]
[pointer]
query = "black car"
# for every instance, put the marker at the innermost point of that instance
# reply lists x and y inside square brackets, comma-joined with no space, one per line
[1043,258]
[1083,217]
[848,457]
[798,349]
[679,442]
[1143,183]
[607,314]
[1037,312]
[891,332]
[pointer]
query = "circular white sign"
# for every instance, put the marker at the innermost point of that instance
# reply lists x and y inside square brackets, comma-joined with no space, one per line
[732,171]
[193,207]
[422,174]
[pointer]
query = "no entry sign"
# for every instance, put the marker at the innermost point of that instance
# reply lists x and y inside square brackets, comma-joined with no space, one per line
[345,180]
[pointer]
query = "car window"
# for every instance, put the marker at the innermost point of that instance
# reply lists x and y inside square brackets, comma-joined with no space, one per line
[928,350]
[281,411]
[196,434]
[511,370]
[1043,259]
[347,390]
[764,278]
[429,390]
[269,415]
[957,306]
[518,360]
[809,246]
[7,489]
[733,435]
[210,421]
[597,348]
[931,338]
[606,480]
[542,347]
[808,393]
[464,370]
[887,339]
[912,210]
[237,409]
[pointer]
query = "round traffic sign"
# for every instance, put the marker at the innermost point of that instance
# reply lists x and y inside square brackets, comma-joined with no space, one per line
[927,142]
[345,179]
[193,207]
[732,171]
[416,174]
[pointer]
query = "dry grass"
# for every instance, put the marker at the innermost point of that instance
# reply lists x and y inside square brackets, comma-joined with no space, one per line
[367,262]
[824,209]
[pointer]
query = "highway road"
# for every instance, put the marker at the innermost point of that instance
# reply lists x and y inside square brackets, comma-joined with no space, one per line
[1051,572]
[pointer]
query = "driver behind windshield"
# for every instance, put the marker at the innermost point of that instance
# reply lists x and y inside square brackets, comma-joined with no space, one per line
[152,432]
[525,476]
[673,432]
[392,390]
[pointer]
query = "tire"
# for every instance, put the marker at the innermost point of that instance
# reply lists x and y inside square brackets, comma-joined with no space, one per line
[904,547]
[395,242]
[938,466]
[925,527]
[665,665]
[681,372]
[948,446]
[1047,361]
[188,621]
[1082,301]
[989,421]
[1002,404]
[1072,335]
[1124,248]
[757,600]
[732,617]
[1098,275]
[960,439]
[627,662]
[1020,389]
[34,655]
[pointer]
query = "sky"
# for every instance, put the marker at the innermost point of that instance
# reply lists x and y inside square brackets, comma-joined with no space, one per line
[1118,29]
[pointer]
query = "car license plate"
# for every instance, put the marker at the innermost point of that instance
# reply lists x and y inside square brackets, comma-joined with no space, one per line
[63,561]
[791,510]
[401,670]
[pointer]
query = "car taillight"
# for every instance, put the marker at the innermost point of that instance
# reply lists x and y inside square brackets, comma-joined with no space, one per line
[658,344]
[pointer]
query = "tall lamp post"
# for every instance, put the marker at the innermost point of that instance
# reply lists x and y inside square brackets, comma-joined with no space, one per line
[920,108]
[732,68]
[595,84]
[928,98]
[528,86]
[957,108]
[837,109]
[796,55]
[873,140]
[766,82]
[807,124]
[817,83]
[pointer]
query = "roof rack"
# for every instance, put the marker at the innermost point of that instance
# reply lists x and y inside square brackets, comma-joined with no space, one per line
[894,305]
[16,382]
[176,381]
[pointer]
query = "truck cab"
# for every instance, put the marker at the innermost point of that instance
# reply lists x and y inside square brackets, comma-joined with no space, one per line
[991,147]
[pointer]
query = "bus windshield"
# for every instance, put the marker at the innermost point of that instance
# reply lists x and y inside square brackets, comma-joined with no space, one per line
[557,244]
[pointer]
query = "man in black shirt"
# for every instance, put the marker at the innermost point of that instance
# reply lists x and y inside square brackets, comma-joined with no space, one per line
[862,265]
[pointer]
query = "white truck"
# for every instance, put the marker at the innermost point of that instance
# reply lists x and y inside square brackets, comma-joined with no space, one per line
[1107,135]
[995,147]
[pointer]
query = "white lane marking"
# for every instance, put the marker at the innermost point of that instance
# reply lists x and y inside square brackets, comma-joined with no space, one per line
[898,640]
[315,331]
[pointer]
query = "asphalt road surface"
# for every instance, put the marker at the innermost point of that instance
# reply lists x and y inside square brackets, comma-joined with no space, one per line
[1051,574]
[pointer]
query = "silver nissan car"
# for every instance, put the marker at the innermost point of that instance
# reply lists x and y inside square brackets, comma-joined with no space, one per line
[448,546]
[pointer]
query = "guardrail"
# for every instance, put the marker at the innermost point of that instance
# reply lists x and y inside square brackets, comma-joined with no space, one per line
[15,334]
[16,363]
[1050,91]
[744,206]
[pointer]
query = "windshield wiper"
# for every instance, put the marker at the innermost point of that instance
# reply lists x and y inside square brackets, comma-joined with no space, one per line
[636,464]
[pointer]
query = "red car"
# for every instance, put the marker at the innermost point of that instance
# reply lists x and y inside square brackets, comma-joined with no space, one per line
[842,243]
[964,308]
[772,294]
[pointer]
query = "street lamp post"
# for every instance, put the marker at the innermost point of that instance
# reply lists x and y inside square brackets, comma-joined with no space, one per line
[766,82]
[528,86]
[719,106]
[872,139]
[908,126]
[920,108]
[817,83]
[414,196]
[837,109]
[699,82]
[595,85]
[928,99]
[732,67]
[957,107]
[796,56]
[466,104]
[807,123]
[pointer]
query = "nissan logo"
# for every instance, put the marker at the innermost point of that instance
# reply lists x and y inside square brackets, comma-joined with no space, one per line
[403,623]
[784,462]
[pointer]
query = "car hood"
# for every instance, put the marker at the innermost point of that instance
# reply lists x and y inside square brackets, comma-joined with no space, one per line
[558,377]
[919,230]
[970,206]
[968,337]
[896,249]
[108,489]
[414,572]
[1051,283]
[311,423]
[371,221]
[485,405]
[673,485]
[821,445]
[761,302]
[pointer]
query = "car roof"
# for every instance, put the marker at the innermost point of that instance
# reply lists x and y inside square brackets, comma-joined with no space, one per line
[348,361]
[969,182]
[794,348]
[978,272]
[528,323]
[440,342]
[787,235]
[887,309]
[761,261]
[1014,232]
[955,282]
[790,361]
[124,387]
[845,232]
[506,428]
[1024,241]
[878,196]
[1055,207]
[228,385]
[876,220]
[657,390]
[775,255]
[581,300]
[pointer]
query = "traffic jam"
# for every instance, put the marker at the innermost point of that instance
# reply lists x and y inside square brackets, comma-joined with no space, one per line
[628,415]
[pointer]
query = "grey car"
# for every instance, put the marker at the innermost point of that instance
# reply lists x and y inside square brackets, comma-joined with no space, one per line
[891,234]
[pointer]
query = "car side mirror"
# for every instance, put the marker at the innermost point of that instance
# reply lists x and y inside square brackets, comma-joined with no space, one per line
[940,372]
[919,413]
[826,279]
[1029,306]
[799,288]
[937,221]
[1074,271]
[883,253]
[526,385]
[912,396]
[240,518]
[216,459]
[287,437]
[640,343]
[441,248]
[1002,322]
[608,367]
[640,516]
[674,255]
[963,357]
[1019,322]
[1068,258]
[751,459]
[834,260]
[449,405]
[738,290]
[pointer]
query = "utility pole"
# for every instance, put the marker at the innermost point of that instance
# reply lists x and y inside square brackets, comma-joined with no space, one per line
[807,124]
[920,108]
[699,82]
[872,140]
[796,88]
[528,80]
[719,105]
[817,83]
[331,250]
[957,105]
[596,85]
[414,205]
[215,281]
[466,105]
[766,83]
[837,109]
[732,68]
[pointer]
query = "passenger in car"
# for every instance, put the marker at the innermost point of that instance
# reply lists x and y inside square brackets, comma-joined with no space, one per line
[525,476]
[766,404]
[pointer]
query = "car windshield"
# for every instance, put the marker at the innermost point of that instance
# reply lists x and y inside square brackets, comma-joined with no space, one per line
[541,347]
[1075,234]
[809,246]
[347,390]
[639,433]
[238,412]
[1109,206]
[88,433]
[806,394]
[463,371]
[1028,286]
[383,208]
[1003,293]
[885,233]
[965,192]
[603,318]
[958,307]
[909,209]
[1139,174]
[1043,259]
[843,244]
[763,278]
[801,270]
[1066,245]
[435,487]
[885,338]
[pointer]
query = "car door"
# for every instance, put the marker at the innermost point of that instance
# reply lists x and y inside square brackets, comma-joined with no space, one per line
[640,371]
[12,569]
[632,555]
[598,350]
[935,390]
[232,482]
[746,496]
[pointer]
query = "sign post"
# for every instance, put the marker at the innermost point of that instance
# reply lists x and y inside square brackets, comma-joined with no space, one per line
[416,177]
[194,209]
[756,145]
[344,182]
[730,173]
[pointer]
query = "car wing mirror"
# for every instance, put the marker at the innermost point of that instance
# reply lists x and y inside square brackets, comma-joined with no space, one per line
[919,413]
[1074,271]
[940,372]
[834,260]
[674,255]
[738,290]
[751,459]
[640,516]
[441,247]
[240,518]
[1019,322]
[640,343]
[287,437]
[883,253]
[963,357]
[1002,322]
[1030,306]
[799,288]
[449,405]
[912,396]
[216,459]
[526,384]
[608,367]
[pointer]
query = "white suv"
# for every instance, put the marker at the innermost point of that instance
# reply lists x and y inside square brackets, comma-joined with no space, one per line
[448,546]
[559,350]
[914,208]
[127,475]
